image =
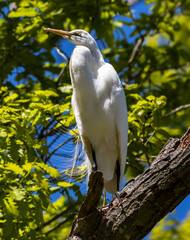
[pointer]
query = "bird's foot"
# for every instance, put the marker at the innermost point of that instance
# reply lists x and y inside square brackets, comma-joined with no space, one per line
[118,197]
[116,201]
[94,167]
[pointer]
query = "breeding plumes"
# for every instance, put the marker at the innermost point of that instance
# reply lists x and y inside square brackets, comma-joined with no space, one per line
[100,109]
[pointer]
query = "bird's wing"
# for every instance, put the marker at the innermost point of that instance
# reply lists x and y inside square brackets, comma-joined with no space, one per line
[119,108]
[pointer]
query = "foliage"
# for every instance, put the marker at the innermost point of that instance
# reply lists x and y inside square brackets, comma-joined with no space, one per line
[35,97]
[171,229]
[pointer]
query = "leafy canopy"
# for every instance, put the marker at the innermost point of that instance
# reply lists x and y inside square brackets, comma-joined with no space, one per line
[35,95]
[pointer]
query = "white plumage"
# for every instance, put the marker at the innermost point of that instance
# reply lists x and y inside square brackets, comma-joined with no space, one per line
[100,108]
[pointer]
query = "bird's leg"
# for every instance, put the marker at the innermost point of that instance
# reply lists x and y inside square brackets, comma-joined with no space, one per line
[118,173]
[94,165]
[104,201]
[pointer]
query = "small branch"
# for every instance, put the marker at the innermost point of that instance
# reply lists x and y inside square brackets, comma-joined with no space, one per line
[60,74]
[136,49]
[58,225]
[135,53]
[66,58]
[57,216]
[176,110]
[144,144]
[42,135]
[62,54]
[152,134]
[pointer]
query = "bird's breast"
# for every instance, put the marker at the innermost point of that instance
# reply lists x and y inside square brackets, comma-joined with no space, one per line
[91,97]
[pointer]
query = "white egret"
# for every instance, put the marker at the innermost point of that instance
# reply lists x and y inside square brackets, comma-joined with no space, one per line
[100,108]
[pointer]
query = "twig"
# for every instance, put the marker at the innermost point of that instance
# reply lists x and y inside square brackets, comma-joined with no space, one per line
[57,216]
[152,134]
[66,57]
[41,134]
[144,144]
[136,49]
[58,225]
[139,43]
[140,160]
[176,110]
[62,54]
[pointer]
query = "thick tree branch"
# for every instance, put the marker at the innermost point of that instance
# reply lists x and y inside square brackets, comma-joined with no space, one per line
[145,199]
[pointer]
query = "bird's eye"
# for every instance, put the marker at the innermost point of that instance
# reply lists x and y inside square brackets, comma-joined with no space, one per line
[77,34]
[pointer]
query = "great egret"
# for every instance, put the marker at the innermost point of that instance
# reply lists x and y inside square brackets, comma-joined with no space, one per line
[100,108]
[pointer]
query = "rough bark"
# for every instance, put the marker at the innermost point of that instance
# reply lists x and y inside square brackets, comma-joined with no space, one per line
[145,199]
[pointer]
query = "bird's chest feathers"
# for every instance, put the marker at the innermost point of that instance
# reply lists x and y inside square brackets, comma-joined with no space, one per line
[87,81]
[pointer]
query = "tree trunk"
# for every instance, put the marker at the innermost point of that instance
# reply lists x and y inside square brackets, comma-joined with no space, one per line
[145,200]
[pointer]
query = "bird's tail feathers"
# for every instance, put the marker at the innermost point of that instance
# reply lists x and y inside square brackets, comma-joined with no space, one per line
[67,154]
[80,164]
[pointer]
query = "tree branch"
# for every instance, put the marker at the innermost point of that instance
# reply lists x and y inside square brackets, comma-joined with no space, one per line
[145,199]
[59,215]
[176,110]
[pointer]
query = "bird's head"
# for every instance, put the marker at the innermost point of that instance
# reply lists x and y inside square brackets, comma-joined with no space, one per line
[77,37]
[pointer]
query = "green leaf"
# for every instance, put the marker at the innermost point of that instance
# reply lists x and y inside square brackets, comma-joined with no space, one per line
[11,97]
[132,87]
[65,184]
[14,151]
[66,89]
[46,93]
[135,96]
[151,98]
[23,12]
[14,168]
[16,193]
[10,206]
[50,170]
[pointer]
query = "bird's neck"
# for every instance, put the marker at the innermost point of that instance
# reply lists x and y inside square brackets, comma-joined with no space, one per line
[98,60]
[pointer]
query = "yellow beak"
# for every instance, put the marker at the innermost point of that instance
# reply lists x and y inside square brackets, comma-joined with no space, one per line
[58,32]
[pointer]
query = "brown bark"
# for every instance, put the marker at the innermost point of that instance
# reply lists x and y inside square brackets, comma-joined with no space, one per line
[145,199]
